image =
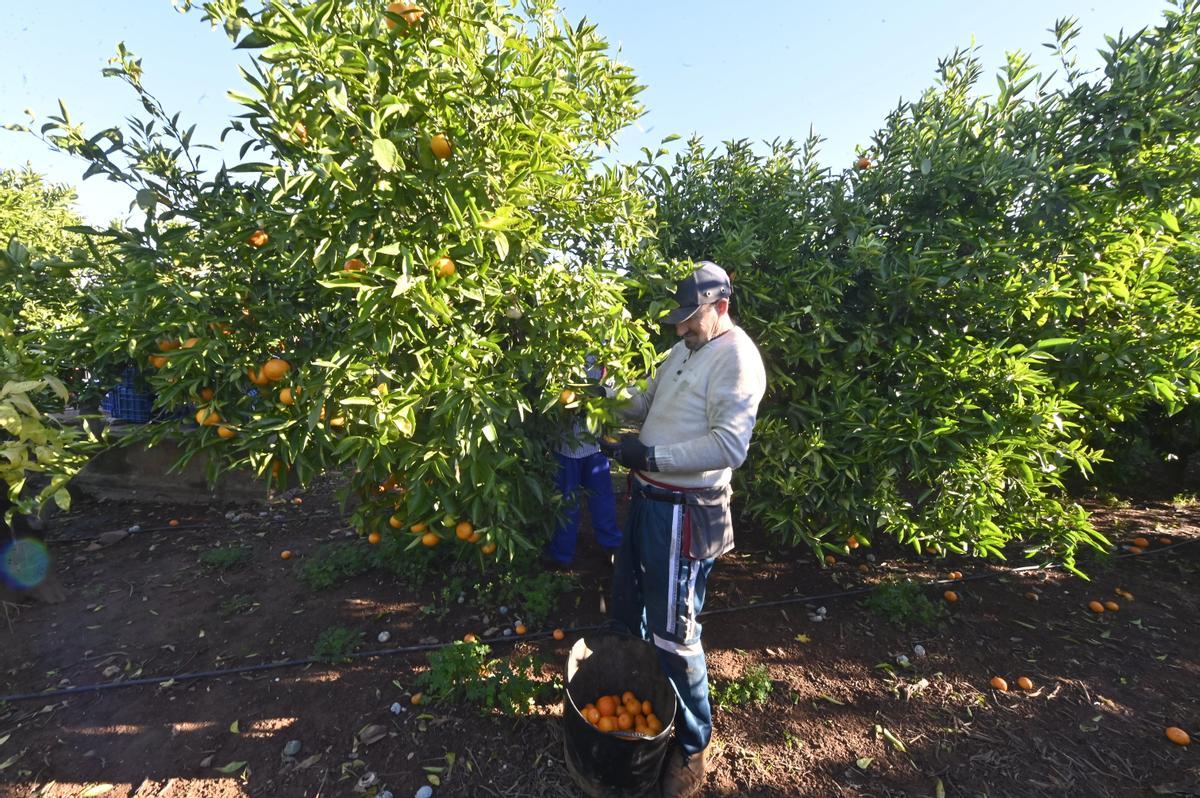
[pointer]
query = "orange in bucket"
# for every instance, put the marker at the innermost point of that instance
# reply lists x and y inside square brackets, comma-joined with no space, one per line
[623,712]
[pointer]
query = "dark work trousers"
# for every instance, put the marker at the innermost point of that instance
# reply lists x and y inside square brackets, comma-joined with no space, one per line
[658,590]
[577,475]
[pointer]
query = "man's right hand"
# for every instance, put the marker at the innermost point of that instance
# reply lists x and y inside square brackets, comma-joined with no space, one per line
[610,445]
[629,451]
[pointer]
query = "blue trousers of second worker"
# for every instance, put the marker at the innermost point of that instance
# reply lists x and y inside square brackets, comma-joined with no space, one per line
[576,475]
[658,591]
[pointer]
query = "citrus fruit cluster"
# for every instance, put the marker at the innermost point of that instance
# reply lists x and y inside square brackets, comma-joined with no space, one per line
[613,713]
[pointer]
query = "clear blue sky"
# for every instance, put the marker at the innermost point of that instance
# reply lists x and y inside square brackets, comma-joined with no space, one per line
[723,70]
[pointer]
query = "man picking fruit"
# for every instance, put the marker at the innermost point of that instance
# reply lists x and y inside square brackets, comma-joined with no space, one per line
[696,415]
[582,468]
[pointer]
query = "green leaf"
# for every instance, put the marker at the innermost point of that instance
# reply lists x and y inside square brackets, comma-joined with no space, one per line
[896,742]
[402,285]
[252,41]
[501,219]
[387,156]
[232,767]
[62,499]
[264,168]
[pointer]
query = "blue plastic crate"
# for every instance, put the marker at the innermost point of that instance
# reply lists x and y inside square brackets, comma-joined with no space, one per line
[131,400]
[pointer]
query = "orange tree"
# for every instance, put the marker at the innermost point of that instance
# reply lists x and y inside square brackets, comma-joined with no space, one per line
[402,270]
[37,293]
[959,319]
[38,456]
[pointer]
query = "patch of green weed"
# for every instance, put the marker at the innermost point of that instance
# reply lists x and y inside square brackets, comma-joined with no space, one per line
[752,687]
[236,605]
[468,672]
[1112,500]
[1186,499]
[336,644]
[334,563]
[225,558]
[393,555]
[533,595]
[904,603]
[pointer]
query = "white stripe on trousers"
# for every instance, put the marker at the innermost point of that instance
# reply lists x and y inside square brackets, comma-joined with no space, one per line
[682,649]
[673,566]
[691,601]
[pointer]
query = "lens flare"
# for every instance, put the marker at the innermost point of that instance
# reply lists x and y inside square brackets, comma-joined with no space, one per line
[24,563]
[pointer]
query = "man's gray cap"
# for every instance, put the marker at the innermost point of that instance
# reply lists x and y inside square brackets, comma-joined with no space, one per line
[704,286]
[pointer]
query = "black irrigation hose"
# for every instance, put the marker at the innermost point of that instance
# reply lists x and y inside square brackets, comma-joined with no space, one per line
[754,605]
[387,652]
[154,530]
[263,666]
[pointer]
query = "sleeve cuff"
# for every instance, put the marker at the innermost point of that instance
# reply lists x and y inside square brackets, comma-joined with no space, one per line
[658,459]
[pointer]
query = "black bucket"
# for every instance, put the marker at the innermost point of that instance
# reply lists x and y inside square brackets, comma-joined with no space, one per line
[615,764]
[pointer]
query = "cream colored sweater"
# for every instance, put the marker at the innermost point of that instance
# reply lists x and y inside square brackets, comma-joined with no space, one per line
[699,409]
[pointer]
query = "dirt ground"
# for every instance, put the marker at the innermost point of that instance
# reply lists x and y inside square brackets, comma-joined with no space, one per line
[854,709]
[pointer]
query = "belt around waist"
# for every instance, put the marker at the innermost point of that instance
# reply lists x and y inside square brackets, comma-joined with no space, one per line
[658,494]
[658,491]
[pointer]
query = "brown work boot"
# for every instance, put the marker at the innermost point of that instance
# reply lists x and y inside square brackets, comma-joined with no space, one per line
[682,779]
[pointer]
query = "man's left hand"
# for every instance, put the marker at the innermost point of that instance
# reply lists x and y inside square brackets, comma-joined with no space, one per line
[630,452]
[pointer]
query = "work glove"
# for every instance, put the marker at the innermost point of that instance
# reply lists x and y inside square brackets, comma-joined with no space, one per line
[629,451]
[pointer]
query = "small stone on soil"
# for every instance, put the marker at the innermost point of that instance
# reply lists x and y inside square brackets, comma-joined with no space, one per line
[383,637]
[424,792]
[292,748]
